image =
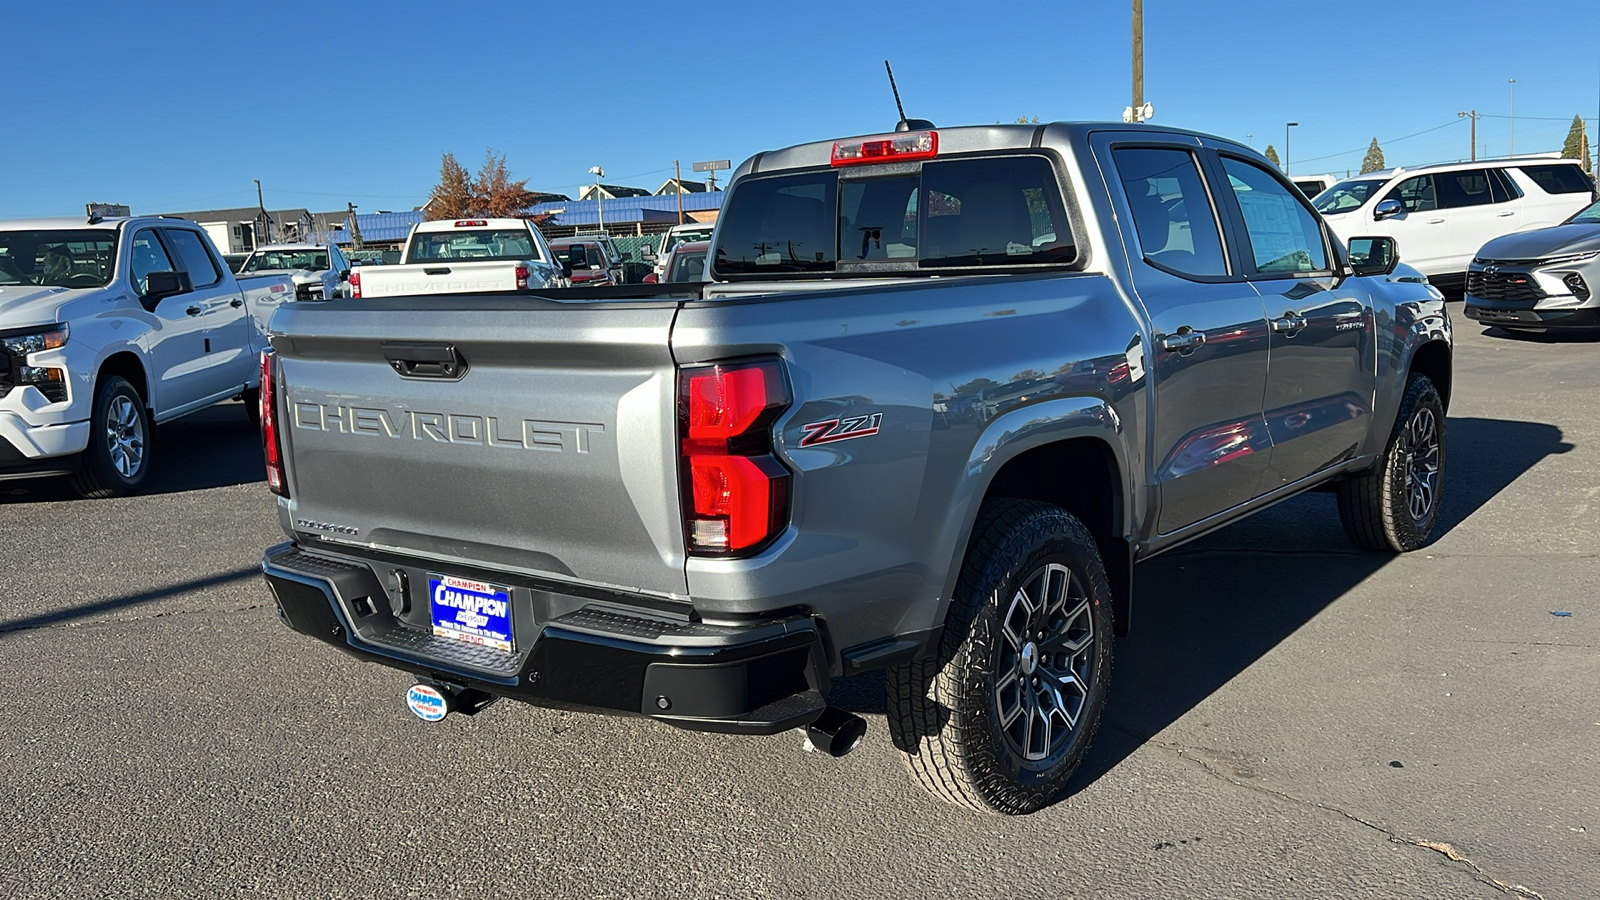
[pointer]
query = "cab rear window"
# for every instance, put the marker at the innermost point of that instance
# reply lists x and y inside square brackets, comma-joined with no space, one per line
[979,212]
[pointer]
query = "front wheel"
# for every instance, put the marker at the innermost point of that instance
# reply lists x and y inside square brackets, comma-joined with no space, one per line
[1394,507]
[1001,718]
[118,457]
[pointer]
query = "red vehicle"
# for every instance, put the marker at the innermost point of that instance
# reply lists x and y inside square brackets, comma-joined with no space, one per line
[685,262]
[591,265]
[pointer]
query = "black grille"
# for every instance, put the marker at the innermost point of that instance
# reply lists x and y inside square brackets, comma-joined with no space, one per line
[1503,287]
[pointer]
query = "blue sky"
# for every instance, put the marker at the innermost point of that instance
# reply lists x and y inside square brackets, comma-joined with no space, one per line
[180,108]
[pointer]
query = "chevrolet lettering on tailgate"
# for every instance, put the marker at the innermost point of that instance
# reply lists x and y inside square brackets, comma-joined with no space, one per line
[448,428]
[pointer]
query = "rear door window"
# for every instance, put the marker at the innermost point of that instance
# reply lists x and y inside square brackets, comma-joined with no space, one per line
[1468,187]
[1172,212]
[196,260]
[1559,179]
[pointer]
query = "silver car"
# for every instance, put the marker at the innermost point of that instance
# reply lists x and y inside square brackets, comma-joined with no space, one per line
[1537,280]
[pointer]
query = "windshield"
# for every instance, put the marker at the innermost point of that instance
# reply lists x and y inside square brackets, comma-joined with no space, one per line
[1345,196]
[674,238]
[690,266]
[1589,215]
[484,244]
[977,212]
[592,256]
[72,259]
[271,260]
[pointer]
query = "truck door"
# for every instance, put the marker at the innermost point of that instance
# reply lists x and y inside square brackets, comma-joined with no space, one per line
[229,355]
[1208,368]
[1321,375]
[176,344]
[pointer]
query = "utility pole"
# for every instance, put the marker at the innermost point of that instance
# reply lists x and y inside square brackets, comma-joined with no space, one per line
[266,220]
[1513,142]
[677,180]
[1138,56]
[355,227]
[599,206]
[1474,145]
[1286,127]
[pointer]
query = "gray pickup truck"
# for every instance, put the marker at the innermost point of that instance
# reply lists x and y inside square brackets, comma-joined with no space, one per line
[944,389]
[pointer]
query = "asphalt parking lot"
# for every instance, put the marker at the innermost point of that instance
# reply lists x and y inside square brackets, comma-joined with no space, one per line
[1289,718]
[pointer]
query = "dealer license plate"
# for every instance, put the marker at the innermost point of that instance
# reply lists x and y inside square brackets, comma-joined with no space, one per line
[474,612]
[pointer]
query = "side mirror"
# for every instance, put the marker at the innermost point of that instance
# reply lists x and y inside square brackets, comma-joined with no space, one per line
[1373,255]
[344,275]
[1386,209]
[158,285]
[647,252]
[566,269]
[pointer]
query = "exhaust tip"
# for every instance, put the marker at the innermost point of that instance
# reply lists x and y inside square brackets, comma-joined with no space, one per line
[836,732]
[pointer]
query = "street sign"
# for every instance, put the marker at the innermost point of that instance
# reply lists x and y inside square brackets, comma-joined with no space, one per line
[713,165]
[106,210]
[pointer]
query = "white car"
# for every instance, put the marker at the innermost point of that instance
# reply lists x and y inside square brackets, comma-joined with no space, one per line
[1439,215]
[465,256]
[109,327]
[678,234]
[319,271]
[1312,185]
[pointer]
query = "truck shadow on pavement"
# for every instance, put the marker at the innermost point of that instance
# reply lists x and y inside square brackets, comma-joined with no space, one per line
[215,447]
[1570,336]
[127,601]
[1205,612]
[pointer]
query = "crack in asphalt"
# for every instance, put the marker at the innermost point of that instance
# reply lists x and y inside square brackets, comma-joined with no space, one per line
[1440,847]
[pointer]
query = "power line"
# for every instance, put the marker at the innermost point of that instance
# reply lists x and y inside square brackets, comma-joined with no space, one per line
[1388,141]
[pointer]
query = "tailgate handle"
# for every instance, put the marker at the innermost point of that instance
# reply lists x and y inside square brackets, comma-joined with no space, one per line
[425,360]
[438,270]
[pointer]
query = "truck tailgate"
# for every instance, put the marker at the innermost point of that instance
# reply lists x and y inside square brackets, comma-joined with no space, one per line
[444,277]
[545,443]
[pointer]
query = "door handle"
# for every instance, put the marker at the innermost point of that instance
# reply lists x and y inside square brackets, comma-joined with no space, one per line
[1184,341]
[1290,324]
[1435,221]
[194,311]
[1511,213]
[236,303]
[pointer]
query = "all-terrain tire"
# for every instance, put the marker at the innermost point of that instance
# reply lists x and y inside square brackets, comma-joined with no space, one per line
[1002,716]
[1395,506]
[120,441]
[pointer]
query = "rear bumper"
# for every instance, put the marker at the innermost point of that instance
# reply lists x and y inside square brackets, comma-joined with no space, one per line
[1533,318]
[760,677]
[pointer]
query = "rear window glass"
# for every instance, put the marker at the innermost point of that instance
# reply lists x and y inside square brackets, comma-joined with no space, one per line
[982,212]
[508,244]
[688,267]
[1559,179]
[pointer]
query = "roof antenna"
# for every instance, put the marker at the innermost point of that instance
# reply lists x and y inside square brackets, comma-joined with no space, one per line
[904,124]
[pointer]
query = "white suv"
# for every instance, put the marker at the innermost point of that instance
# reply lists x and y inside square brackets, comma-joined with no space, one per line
[1440,215]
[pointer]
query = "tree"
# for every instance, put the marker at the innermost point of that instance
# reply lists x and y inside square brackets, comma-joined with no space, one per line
[1374,158]
[452,197]
[1272,156]
[1576,145]
[496,193]
[491,193]
[1023,120]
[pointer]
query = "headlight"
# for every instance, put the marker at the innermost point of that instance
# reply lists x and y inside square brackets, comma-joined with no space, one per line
[47,338]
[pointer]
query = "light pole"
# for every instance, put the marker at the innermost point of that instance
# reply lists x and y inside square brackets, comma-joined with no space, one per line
[1513,142]
[1474,145]
[1250,139]
[599,207]
[1286,127]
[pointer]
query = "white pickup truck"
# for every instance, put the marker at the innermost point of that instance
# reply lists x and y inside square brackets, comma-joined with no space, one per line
[319,271]
[109,327]
[466,256]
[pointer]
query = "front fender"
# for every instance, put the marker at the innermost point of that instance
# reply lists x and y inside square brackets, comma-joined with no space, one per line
[1413,316]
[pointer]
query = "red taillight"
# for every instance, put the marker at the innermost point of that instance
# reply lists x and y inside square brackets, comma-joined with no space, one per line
[906,145]
[471,223]
[735,492]
[355,284]
[269,428]
[522,277]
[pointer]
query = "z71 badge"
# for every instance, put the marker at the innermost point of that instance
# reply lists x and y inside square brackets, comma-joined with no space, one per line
[830,430]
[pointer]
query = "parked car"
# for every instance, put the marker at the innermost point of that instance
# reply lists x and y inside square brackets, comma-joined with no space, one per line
[685,262]
[688,231]
[1312,185]
[590,263]
[464,256]
[1440,215]
[109,327]
[860,446]
[317,270]
[1537,280]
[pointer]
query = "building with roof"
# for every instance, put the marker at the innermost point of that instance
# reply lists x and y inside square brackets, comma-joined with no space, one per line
[680,186]
[611,192]
[242,229]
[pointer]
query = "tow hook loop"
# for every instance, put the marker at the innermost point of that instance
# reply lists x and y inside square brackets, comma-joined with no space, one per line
[835,732]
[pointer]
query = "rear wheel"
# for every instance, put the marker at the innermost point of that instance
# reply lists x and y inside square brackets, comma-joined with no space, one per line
[1395,506]
[1001,718]
[118,456]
